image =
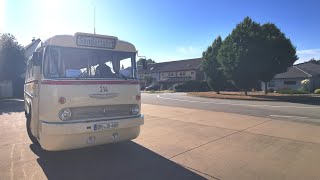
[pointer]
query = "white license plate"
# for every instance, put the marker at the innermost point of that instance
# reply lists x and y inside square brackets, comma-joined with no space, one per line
[102,126]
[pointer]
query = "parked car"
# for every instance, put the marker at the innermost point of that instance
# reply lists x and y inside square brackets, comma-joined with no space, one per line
[154,87]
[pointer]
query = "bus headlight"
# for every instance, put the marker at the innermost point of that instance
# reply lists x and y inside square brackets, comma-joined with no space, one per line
[134,109]
[65,114]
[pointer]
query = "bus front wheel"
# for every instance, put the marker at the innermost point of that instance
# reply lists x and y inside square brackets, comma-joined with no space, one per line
[28,125]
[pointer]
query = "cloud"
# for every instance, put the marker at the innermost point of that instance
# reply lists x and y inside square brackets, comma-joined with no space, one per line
[307,54]
[189,50]
[309,51]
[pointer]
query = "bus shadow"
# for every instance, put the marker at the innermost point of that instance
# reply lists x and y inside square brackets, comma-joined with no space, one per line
[127,160]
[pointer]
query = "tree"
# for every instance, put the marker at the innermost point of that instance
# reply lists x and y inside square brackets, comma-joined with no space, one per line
[314,61]
[211,66]
[239,54]
[148,80]
[277,53]
[12,62]
[253,53]
[139,62]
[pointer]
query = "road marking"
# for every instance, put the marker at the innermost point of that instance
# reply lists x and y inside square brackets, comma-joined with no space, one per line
[238,104]
[283,116]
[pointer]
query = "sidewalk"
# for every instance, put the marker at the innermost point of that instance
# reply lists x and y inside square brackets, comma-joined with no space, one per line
[231,146]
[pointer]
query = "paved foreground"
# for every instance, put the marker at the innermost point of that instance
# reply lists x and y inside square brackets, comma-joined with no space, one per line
[175,143]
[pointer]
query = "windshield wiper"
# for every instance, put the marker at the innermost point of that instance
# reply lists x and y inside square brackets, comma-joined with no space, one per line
[77,78]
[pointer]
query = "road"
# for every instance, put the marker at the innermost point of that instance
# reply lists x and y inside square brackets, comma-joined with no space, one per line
[274,109]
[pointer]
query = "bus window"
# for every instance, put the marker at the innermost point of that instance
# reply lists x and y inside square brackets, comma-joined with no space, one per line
[88,63]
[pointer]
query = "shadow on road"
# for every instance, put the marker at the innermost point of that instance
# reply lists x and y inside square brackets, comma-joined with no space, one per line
[11,105]
[126,160]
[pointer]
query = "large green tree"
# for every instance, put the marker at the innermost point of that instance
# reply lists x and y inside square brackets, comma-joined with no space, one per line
[254,52]
[239,54]
[277,53]
[12,62]
[211,66]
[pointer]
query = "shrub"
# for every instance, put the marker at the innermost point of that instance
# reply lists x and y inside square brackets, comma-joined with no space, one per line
[271,90]
[317,91]
[191,86]
[305,84]
[291,91]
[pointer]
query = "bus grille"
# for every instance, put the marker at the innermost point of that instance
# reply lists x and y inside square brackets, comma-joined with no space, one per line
[97,112]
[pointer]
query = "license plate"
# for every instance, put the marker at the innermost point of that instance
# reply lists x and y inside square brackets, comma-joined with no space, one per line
[102,126]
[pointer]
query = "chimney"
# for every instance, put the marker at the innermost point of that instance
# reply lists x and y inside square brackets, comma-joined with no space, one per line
[33,39]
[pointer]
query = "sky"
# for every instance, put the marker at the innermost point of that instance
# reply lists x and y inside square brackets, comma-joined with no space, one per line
[163,30]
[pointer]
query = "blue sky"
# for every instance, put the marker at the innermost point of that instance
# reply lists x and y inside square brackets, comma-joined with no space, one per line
[162,30]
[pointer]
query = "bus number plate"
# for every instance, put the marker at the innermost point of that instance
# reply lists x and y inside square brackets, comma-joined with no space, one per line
[102,126]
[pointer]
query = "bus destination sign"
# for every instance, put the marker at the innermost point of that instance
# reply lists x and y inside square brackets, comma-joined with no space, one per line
[99,42]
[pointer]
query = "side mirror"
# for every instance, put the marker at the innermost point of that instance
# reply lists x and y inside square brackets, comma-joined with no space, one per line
[144,64]
[36,59]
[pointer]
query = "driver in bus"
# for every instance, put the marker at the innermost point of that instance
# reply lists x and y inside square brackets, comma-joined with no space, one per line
[103,70]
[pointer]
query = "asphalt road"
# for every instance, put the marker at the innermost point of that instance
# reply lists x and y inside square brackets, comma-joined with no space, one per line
[277,110]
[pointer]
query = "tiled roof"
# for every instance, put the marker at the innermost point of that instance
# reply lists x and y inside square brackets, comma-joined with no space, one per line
[33,42]
[303,70]
[182,65]
[311,68]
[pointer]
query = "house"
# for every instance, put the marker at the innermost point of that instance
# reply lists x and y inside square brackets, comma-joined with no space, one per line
[6,86]
[291,79]
[168,73]
[30,48]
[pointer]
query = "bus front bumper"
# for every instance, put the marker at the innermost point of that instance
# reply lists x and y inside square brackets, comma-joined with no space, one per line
[74,135]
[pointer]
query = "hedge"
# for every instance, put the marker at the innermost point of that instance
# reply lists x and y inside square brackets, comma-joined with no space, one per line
[192,86]
[291,91]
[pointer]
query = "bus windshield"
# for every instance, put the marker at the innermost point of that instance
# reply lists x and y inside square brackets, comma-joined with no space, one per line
[64,62]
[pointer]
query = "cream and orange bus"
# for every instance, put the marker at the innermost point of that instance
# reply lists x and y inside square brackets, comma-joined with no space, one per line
[82,90]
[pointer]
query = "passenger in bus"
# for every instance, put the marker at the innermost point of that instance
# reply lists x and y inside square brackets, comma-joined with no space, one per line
[103,70]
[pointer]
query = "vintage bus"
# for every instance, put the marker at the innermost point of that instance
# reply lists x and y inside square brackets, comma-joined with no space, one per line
[82,90]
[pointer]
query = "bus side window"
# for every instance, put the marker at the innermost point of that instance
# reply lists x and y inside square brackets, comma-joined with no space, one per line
[31,71]
[28,72]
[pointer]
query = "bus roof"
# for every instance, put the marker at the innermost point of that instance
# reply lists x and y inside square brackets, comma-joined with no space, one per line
[91,41]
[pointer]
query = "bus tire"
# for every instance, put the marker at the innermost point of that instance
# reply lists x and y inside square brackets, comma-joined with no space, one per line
[28,123]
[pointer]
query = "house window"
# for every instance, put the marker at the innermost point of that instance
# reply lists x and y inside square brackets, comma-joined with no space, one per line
[182,73]
[192,73]
[290,82]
